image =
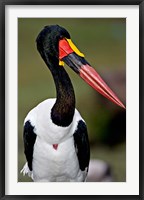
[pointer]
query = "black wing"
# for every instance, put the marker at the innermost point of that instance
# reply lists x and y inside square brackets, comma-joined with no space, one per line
[29,138]
[82,145]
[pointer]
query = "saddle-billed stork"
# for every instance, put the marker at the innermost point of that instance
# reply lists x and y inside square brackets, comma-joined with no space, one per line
[55,135]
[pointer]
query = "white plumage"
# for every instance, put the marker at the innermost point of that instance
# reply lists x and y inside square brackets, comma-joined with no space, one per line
[50,164]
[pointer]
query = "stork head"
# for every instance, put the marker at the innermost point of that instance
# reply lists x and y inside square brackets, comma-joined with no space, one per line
[55,46]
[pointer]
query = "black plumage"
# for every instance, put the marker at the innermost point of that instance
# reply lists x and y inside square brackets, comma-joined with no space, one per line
[81,142]
[29,140]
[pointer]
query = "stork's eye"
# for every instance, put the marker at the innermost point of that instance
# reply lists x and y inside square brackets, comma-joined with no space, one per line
[61,37]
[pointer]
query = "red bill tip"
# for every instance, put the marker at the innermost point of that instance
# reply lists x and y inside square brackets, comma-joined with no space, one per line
[95,81]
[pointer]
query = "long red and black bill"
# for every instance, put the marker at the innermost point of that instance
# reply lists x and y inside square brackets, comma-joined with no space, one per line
[86,72]
[95,81]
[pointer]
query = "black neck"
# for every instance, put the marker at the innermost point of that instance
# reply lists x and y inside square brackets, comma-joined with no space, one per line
[63,110]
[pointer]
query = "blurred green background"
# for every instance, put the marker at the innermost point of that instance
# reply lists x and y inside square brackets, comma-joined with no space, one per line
[103,41]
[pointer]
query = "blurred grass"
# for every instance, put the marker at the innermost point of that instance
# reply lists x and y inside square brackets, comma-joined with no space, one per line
[103,41]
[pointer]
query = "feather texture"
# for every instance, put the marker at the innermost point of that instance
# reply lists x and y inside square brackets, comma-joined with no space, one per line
[61,164]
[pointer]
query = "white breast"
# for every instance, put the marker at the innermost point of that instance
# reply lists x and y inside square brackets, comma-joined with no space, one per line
[50,164]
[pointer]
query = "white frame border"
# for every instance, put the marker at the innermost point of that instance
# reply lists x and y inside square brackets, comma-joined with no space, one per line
[131,186]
